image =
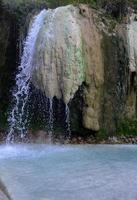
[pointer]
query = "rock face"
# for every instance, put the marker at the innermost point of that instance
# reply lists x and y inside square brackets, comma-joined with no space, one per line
[8,38]
[4,195]
[132,41]
[75,47]
[132,51]
[59,63]
[94,69]
[78,47]
[116,75]
[68,53]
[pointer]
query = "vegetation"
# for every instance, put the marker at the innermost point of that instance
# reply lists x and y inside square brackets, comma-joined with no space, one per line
[54,3]
[127,128]
[116,8]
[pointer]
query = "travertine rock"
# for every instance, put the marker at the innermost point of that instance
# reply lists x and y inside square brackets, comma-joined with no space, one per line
[76,47]
[59,62]
[68,53]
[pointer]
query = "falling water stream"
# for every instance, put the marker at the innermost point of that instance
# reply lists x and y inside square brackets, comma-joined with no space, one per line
[68,130]
[18,115]
[51,119]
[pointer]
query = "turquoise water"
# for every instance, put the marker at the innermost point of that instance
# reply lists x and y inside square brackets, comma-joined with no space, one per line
[90,172]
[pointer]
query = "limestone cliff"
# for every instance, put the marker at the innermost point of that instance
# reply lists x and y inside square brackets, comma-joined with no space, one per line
[59,66]
[87,60]
[77,46]
[132,52]
[68,53]
[94,69]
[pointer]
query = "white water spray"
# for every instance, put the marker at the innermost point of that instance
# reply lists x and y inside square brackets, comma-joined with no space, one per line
[17,117]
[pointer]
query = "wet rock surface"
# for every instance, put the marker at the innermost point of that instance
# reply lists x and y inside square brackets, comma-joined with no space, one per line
[4,195]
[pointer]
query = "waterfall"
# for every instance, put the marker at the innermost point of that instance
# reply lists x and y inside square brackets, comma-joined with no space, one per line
[18,116]
[52,62]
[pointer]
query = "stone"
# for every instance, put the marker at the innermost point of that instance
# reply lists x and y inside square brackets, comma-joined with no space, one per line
[59,63]
[4,195]
[132,49]
[67,55]
[77,46]
[94,68]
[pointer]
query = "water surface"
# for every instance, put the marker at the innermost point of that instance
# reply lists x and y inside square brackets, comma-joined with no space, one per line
[81,172]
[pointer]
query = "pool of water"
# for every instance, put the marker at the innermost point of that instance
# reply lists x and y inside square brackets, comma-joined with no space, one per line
[79,172]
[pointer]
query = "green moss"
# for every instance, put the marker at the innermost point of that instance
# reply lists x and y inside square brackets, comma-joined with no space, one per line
[81,63]
[102,135]
[127,128]
[116,76]
[71,52]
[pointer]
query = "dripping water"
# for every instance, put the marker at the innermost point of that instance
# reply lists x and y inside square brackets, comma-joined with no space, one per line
[51,119]
[67,121]
[18,116]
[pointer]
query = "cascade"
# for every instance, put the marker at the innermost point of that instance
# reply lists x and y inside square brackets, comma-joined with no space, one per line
[52,62]
[17,117]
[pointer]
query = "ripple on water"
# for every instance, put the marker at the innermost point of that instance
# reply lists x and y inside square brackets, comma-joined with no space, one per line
[76,172]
